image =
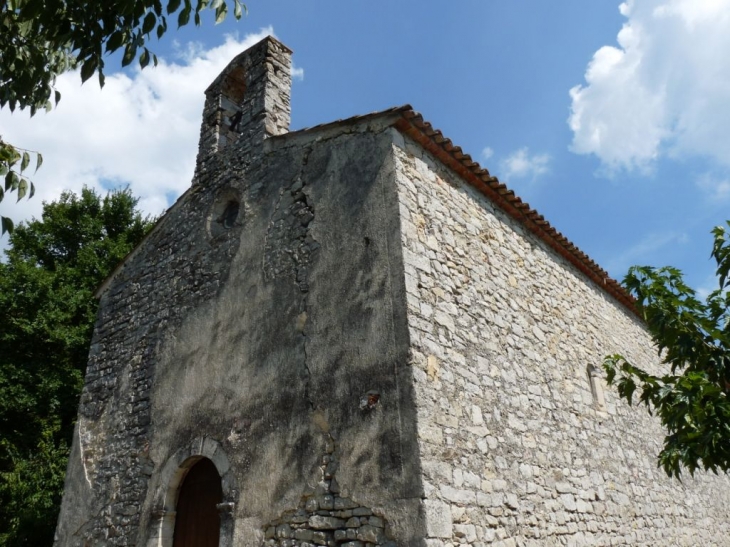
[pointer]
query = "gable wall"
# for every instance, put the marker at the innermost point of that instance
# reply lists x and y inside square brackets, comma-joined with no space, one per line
[515,450]
[274,348]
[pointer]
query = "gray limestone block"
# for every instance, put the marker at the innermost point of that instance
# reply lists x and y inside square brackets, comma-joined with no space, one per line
[438,519]
[320,522]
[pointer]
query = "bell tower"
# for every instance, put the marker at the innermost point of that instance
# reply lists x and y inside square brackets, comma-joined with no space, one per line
[248,102]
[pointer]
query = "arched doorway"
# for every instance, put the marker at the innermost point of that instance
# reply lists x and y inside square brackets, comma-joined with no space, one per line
[197,522]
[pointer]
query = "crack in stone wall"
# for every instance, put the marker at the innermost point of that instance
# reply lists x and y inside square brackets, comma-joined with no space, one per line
[289,243]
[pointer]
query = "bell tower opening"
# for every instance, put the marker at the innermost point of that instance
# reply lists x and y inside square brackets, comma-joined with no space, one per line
[197,521]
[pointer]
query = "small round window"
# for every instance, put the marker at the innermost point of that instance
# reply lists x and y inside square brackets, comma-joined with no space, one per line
[226,214]
[230,214]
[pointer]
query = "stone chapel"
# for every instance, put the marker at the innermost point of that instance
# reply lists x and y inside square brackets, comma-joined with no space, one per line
[353,335]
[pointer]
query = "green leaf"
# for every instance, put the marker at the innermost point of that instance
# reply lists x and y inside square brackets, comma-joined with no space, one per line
[6,152]
[38,161]
[172,6]
[87,69]
[115,41]
[12,156]
[22,188]
[721,253]
[26,161]
[7,225]
[130,52]
[11,181]
[237,9]
[221,12]
[144,59]
[32,190]
[149,22]
[184,17]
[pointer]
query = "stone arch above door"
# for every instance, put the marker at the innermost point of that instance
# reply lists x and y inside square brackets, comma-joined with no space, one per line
[172,476]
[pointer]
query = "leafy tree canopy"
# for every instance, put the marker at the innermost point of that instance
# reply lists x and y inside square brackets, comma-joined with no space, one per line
[46,293]
[693,338]
[40,39]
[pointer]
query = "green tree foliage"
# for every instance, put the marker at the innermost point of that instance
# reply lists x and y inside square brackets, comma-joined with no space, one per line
[693,339]
[46,294]
[13,163]
[40,39]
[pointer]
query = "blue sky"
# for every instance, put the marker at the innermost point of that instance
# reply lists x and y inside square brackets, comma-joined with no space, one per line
[611,119]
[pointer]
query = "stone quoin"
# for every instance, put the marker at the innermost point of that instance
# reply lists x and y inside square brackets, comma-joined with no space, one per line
[353,335]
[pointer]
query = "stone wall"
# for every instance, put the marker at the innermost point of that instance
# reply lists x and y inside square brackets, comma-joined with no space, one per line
[516,448]
[260,340]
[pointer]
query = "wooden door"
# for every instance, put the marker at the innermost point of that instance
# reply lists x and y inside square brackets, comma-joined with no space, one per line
[197,523]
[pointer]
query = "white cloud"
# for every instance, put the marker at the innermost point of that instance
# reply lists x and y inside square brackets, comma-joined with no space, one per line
[645,250]
[520,164]
[665,90]
[715,188]
[708,285]
[297,73]
[141,130]
[487,153]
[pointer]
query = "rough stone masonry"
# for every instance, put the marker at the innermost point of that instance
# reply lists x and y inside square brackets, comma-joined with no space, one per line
[375,343]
